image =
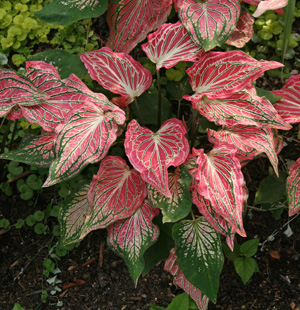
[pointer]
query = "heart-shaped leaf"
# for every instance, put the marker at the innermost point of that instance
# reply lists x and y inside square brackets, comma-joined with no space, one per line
[209,23]
[293,188]
[152,153]
[180,280]
[177,206]
[130,238]
[221,181]
[220,74]
[169,45]
[199,245]
[130,21]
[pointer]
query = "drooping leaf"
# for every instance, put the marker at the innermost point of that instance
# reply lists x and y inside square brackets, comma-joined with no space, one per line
[85,137]
[15,90]
[117,72]
[169,45]
[130,238]
[209,23]
[115,193]
[199,245]
[180,280]
[66,12]
[33,150]
[293,188]
[177,206]
[220,74]
[152,153]
[222,183]
[243,32]
[250,141]
[289,106]
[242,108]
[130,21]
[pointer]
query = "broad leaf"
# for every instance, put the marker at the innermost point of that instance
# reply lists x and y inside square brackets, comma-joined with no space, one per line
[15,113]
[241,108]
[152,153]
[130,21]
[220,74]
[115,193]
[245,267]
[169,45]
[15,90]
[66,12]
[180,280]
[33,150]
[249,141]
[243,32]
[177,206]
[199,245]
[266,5]
[209,23]
[117,72]
[222,183]
[289,106]
[130,238]
[293,188]
[85,137]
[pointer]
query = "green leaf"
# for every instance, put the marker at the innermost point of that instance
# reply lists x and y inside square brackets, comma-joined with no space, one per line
[176,90]
[30,221]
[26,192]
[39,228]
[249,248]
[4,223]
[17,307]
[245,267]
[66,12]
[65,62]
[34,182]
[14,168]
[270,96]
[199,255]
[3,61]
[39,215]
[180,302]
[271,189]
[275,208]
[155,307]
[231,255]
[19,224]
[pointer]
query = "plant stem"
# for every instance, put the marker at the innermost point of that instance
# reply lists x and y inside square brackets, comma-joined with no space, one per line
[178,110]
[138,112]
[13,134]
[193,216]
[159,100]
[194,127]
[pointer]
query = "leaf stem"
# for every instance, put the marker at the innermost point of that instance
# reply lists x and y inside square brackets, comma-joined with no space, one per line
[138,112]
[159,99]
[193,216]
[194,127]
[178,110]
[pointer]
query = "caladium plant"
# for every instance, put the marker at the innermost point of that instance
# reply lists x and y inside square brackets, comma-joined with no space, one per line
[161,176]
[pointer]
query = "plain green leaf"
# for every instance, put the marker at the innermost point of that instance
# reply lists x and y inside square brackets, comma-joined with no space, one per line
[245,267]
[270,96]
[249,248]
[180,302]
[231,255]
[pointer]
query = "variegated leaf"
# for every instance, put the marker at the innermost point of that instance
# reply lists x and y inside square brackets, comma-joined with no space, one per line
[74,215]
[169,45]
[221,181]
[117,72]
[289,107]
[218,75]
[130,21]
[209,23]
[152,153]
[249,141]
[15,113]
[180,280]
[293,188]
[241,108]
[199,245]
[266,5]
[15,90]
[85,137]
[177,206]
[33,150]
[243,32]
[130,238]
[115,193]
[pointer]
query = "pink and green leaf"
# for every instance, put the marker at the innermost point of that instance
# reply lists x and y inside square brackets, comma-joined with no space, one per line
[85,137]
[180,280]
[130,21]
[243,32]
[242,108]
[217,75]
[152,153]
[289,106]
[250,141]
[221,181]
[169,45]
[266,5]
[117,72]
[293,188]
[130,238]
[199,245]
[115,193]
[209,23]
[177,206]
[33,150]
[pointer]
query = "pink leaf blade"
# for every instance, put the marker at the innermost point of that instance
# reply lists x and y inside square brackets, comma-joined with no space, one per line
[293,188]
[266,5]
